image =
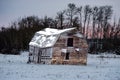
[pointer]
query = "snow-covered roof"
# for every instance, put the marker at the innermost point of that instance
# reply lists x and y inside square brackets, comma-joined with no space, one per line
[50,31]
[48,37]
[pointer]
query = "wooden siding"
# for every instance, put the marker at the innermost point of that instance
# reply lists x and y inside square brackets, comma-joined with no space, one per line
[75,57]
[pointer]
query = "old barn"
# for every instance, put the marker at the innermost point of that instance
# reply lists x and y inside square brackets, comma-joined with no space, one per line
[53,46]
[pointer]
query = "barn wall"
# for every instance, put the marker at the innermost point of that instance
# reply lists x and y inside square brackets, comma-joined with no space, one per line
[78,53]
[40,55]
[46,55]
[31,53]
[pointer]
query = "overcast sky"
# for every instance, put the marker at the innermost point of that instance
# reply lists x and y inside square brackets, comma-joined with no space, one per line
[11,10]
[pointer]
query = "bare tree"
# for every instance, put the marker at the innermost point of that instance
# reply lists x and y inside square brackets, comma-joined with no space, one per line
[60,17]
[100,21]
[79,11]
[71,12]
[88,21]
[47,21]
[75,22]
[94,17]
[86,11]
[107,16]
[117,31]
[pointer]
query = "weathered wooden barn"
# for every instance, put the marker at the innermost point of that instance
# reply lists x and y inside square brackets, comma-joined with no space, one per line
[53,46]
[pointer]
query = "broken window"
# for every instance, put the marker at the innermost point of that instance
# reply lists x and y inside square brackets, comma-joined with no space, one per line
[67,56]
[70,42]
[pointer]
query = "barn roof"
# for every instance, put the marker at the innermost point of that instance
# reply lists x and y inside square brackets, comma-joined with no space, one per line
[48,37]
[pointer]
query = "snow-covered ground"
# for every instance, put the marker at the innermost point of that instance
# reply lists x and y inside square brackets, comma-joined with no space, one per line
[15,67]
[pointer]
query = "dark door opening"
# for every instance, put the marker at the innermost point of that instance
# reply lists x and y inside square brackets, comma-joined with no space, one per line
[70,42]
[39,57]
[67,55]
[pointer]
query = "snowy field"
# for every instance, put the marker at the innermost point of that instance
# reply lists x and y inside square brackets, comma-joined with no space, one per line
[15,67]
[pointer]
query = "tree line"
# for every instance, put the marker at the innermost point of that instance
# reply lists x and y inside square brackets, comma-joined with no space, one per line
[93,22]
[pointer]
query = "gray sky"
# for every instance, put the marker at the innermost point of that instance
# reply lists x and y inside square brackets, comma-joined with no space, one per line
[11,10]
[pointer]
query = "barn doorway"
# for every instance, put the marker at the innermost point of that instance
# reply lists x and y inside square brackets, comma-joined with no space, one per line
[39,56]
[67,56]
[70,42]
